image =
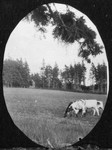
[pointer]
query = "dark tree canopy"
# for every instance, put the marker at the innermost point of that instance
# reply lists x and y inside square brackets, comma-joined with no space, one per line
[67,28]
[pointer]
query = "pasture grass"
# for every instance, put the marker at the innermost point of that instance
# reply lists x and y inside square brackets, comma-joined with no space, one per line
[39,114]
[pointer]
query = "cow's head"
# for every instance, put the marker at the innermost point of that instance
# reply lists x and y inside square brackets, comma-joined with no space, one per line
[68,111]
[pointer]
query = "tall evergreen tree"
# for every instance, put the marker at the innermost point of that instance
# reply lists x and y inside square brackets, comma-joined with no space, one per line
[26,74]
[48,76]
[43,73]
[55,73]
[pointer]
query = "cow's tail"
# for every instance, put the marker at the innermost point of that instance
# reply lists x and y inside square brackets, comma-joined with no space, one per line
[65,114]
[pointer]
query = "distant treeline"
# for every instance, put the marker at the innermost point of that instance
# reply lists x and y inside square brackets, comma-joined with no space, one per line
[16,73]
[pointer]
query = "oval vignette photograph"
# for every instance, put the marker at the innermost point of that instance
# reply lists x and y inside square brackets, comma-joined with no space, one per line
[55,75]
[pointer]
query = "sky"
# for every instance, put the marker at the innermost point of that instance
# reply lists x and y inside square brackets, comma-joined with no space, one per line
[27,43]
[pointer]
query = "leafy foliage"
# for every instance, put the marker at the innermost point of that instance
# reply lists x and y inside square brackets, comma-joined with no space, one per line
[40,16]
[67,28]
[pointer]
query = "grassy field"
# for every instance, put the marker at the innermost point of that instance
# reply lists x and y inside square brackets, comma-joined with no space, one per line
[39,114]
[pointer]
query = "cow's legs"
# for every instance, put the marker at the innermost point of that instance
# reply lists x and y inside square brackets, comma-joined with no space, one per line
[94,111]
[83,110]
[97,110]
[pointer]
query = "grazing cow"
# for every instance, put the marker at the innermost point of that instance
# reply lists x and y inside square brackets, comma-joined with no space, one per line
[83,105]
[76,107]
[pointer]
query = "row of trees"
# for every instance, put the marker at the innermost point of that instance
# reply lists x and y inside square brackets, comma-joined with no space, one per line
[98,76]
[68,78]
[74,76]
[16,73]
[48,78]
